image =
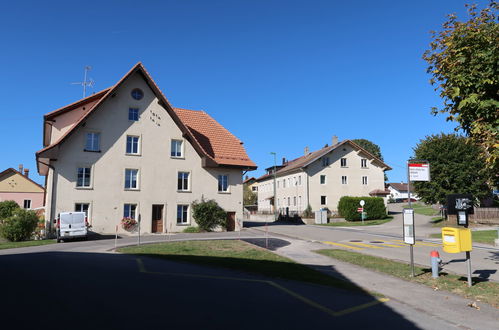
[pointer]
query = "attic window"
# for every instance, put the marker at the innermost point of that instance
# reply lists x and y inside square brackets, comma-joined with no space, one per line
[137,94]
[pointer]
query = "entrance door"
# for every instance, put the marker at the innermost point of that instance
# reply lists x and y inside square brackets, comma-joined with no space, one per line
[231,221]
[157,219]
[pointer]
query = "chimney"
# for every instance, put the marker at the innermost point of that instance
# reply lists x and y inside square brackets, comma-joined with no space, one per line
[21,168]
[283,160]
[307,151]
[246,178]
[335,140]
[26,172]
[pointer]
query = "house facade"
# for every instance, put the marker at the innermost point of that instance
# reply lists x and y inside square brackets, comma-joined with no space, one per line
[400,191]
[17,186]
[127,152]
[321,178]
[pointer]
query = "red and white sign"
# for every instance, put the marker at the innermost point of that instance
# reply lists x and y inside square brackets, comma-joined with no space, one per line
[419,172]
[360,209]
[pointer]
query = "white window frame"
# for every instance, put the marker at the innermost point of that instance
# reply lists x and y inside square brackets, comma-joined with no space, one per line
[363,163]
[138,145]
[344,179]
[364,180]
[322,176]
[94,145]
[184,189]
[176,151]
[325,200]
[284,183]
[130,211]
[185,221]
[137,181]
[299,180]
[221,176]
[343,162]
[29,204]
[90,169]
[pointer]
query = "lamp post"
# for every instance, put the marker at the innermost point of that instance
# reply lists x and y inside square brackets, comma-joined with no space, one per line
[275,200]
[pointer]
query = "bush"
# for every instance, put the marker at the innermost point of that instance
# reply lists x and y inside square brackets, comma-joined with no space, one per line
[7,208]
[374,207]
[191,229]
[308,212]
[208,215]
[19,226]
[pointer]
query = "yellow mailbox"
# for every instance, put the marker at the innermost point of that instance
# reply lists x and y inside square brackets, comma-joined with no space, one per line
[456,240]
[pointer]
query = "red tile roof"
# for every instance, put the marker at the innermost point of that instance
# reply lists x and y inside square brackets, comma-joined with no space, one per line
[399,186]
[210,139]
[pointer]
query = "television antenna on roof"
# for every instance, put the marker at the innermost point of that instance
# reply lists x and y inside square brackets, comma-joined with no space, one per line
[85,83]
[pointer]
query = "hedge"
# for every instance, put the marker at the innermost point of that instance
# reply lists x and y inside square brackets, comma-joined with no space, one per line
[374,207]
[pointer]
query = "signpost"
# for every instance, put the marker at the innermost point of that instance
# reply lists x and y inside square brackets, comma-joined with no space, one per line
[362,203]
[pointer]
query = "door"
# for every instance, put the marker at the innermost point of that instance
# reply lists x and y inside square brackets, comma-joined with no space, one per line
[231,221]
[157,219]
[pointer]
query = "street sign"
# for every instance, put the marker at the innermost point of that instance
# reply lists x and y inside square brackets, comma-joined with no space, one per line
[362,203]
[409,236]
[360,209]
[419,172]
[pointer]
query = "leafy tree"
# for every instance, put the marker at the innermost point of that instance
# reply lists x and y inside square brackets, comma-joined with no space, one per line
[209,215]
[369,146]
[19,226]
[463,61]
[7,208]
[456,166]
[249,197]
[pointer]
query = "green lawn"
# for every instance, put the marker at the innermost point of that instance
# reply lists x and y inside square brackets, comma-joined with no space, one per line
[481,290]
[358,223]
[12,245]
[479,236]
[239,255]
[423,209]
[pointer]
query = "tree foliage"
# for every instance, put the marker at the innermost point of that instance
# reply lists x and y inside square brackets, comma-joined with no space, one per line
[249,197]
[7,208]
[373,148]
[456,166]
[463,61]
[19,226]
[209,215]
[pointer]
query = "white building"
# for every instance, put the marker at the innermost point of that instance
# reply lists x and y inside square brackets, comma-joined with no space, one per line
[127,152]
[400,191]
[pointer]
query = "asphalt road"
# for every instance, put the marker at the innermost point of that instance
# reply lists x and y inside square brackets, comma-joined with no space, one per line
[80,285]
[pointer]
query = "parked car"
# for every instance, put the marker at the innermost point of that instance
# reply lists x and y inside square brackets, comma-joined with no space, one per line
[71,225]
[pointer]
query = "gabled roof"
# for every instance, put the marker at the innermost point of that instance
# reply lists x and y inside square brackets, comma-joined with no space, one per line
[400,186]
[76,104]
[14,171]
[249,179]
[211,158]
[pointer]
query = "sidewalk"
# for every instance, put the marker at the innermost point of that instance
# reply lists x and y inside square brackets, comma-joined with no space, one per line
[438,304]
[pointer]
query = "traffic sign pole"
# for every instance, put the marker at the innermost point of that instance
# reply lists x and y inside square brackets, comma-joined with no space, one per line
[411,246]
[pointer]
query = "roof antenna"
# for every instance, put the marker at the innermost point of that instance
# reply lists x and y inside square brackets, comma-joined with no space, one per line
[85,83]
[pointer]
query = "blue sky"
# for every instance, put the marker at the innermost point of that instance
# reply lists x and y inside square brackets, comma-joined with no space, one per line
[280,75]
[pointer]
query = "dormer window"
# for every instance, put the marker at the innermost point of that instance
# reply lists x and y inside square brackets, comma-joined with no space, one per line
[137,94]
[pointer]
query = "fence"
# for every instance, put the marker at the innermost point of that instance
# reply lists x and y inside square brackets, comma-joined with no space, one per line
[483,215]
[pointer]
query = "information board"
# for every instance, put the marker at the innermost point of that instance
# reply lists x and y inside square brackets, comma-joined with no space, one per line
[419,172]
[409,235]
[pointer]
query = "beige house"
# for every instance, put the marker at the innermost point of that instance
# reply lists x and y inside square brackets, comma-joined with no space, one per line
[127,152]
[321,178]
[16,185]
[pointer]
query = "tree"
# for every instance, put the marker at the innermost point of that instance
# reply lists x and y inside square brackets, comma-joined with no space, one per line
[456,166]
[7,208]
[19,226]
[463,61]
[209,215]
[249,197]
[369,146]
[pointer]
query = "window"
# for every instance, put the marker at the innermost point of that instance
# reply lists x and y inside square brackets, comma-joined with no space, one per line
[343,162]
[289,201]
[323,200]
[130,211]
[82,207]
[183,181]
[277,183]
[295,183]
[137,94]
[299,200]
[344,179]
[133,114]
[176,148]
[223,183]
[83,177]
[299,180]
[132,145]
[254,188]
[182,214]
[363,163]
[131,179]
[284,183]
[323,179]
[294,201]
[92,142]
[325,161]
[364,180]
[27,203]
[289,182]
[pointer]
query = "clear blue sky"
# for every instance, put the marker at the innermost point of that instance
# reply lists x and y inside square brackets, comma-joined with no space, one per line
[280,75]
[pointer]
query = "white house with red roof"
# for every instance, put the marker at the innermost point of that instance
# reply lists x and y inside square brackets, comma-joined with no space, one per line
[321,178]
[127,152]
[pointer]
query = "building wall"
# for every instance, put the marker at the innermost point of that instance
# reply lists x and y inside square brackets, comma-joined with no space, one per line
[66,120]
[36,198]
[14,186]
[157,170]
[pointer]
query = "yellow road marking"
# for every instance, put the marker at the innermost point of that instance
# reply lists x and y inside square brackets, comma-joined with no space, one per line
[303,299]
[366,245]
[390,245]
[420,243]
[343,245]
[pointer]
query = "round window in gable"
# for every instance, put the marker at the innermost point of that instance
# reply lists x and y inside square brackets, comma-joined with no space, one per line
[137,93]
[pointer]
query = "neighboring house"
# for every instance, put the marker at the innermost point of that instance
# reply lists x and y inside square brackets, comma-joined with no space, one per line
[16,186]
[127,152]
[251,184]
[399,190]
[321,178]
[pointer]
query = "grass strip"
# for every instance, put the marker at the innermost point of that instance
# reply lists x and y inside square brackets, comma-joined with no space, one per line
[478,236]
[424,209]
[238,255]
[357,223]
[13,245]
[481,290]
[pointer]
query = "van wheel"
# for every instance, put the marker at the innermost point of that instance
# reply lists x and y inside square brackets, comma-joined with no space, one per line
[58,240]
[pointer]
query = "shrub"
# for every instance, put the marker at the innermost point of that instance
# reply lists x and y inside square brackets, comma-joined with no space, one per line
[208,215]
[308,212]
[19,226]
[191,229]
[374,207]
[7,208]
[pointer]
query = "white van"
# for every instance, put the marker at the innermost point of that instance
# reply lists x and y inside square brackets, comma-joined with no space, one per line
[71,225]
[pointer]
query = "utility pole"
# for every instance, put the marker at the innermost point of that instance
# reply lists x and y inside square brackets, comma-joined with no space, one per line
[275,178]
